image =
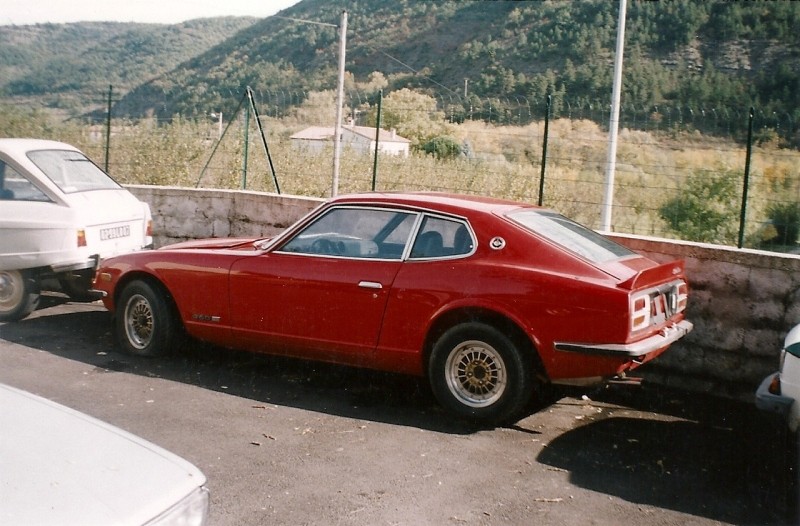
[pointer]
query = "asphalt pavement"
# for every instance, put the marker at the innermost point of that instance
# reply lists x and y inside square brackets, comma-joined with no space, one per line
[290,442]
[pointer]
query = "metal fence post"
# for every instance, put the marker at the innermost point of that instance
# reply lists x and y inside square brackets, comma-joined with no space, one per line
[544,148]
[377,140]
[743,214]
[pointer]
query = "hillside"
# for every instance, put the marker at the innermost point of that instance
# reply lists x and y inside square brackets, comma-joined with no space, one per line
[70,66]
[689,53]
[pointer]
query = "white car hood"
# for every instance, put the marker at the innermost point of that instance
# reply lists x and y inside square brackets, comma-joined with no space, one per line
[59,466]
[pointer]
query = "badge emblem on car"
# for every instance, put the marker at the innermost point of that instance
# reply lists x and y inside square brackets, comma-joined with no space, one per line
[497,243]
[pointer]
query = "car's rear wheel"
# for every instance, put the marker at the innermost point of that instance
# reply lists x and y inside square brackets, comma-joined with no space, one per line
[19,294]
[146,323]
[478,372]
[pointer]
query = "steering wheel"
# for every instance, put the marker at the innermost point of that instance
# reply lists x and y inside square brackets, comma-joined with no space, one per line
[322,246]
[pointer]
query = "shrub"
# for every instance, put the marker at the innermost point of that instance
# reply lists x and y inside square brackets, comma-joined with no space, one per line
[442,147]
[785,218]
[706,210]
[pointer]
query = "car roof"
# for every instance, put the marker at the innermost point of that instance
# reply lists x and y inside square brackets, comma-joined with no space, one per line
[19,146]
[458,204]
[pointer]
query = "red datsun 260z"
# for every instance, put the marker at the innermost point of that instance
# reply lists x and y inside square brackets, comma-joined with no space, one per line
[489,299]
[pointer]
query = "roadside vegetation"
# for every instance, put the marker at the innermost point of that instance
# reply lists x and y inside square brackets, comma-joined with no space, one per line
[686,185]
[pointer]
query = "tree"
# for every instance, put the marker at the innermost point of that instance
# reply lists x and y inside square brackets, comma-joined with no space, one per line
[706,209]
[414,115]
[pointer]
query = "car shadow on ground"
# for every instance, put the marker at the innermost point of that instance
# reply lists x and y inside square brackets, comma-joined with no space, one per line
[701,453]
[86,335]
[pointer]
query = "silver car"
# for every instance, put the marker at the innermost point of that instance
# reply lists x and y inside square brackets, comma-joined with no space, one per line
[59,466]
[780,391]
[59,216]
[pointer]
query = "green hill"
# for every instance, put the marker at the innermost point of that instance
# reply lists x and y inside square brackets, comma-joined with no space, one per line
[689,53]
[70,66]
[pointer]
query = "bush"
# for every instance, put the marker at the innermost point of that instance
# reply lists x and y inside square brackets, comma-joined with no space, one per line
[706,210]
[785,219]
[442,147]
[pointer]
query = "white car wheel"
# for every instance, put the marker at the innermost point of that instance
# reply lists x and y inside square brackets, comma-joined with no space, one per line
[19,295]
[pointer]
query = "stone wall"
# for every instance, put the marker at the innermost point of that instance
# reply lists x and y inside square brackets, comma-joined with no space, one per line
[742,302]
[189,213]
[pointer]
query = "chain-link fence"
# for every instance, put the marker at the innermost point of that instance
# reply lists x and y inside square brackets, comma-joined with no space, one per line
[721,175]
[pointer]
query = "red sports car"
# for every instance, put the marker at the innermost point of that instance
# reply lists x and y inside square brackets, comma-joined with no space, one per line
[489,299]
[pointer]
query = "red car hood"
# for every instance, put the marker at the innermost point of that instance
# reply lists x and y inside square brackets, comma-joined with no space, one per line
[220,243]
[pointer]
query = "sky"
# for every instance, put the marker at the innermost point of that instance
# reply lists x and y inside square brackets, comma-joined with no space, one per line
[25,12]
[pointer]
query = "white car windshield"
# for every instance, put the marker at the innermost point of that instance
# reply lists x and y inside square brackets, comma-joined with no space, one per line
[570,235]
[71,171]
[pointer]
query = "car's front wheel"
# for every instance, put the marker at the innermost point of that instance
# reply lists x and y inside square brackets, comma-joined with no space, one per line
[19,294]
[145,322]
[478,372]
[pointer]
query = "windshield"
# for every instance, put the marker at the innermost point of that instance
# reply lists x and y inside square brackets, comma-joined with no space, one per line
[570,235]
[71,171]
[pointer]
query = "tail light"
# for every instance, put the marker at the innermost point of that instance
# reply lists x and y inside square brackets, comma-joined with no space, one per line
[657,305]
[681,295]
[149,228]
[640,312]
[81,238]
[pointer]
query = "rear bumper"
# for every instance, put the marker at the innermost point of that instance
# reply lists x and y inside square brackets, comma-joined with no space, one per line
[772,403]
[634,350]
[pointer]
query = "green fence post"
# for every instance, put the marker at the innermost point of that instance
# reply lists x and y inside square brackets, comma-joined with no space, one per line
[544,148]
[746,185]
[377,141]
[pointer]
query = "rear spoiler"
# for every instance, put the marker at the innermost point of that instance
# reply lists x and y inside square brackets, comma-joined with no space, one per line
[654,275]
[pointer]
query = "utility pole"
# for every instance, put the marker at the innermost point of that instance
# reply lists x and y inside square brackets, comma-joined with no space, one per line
[337,137]
[613,124]
[339,92]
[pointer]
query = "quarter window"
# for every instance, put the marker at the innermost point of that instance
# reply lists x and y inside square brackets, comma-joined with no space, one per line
[16,187]
[442,237]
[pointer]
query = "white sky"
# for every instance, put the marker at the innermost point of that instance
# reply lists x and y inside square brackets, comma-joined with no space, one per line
[25,12]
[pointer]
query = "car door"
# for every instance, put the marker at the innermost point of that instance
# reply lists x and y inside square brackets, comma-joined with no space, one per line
[322,293]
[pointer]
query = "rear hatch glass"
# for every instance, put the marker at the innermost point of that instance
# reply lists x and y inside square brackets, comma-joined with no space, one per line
[71,171]
[571,235]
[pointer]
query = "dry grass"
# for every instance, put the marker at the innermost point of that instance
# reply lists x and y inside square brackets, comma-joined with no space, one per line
[506,162]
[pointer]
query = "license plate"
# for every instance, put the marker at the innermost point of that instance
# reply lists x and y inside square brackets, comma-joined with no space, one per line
[115,232]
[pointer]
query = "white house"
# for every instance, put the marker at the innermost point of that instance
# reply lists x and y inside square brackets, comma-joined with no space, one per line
[358,138]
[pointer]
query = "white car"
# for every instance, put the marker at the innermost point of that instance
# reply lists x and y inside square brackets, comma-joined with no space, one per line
[59,216]
[59,466]
[779,392]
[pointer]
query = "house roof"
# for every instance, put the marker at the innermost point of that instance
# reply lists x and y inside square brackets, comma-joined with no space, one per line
[321,133]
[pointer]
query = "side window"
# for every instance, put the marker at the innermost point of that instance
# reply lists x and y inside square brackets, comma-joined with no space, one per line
[15,187]
[355,232]
[441,237]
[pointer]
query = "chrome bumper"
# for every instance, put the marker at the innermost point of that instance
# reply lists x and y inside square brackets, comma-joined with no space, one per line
[631,350]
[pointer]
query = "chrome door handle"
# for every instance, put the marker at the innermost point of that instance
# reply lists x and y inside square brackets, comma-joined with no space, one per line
[370,285]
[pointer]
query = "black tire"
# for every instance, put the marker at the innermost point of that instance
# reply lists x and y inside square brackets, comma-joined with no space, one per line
[479,373]
[145,322]
[19,294]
